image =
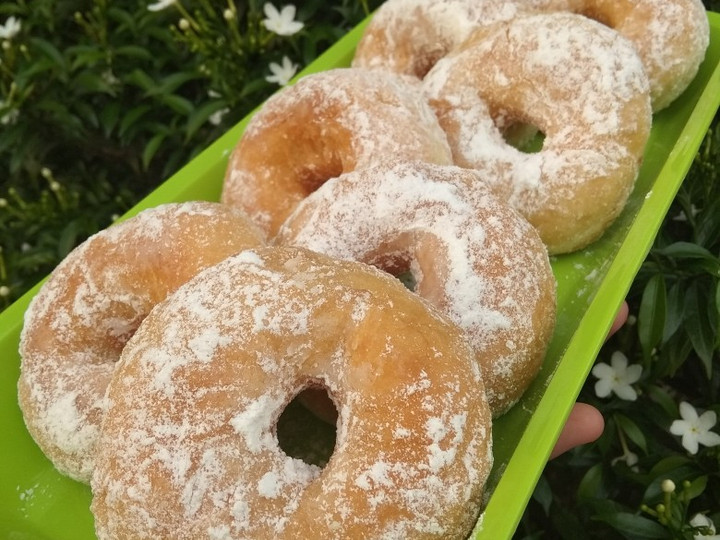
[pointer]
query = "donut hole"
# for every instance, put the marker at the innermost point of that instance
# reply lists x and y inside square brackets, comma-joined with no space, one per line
[523,136]
[307,427]
[316,172]
[597,15]
[398,264]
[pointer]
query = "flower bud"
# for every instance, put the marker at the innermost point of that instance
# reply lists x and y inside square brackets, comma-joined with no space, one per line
[668,486]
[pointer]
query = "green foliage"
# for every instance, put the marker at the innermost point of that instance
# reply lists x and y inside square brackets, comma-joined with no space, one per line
[101,101]
[111,98]
[613,488]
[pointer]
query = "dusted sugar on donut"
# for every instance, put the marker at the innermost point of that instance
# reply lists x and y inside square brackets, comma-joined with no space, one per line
[582,85]
[671,37]
[472,256]
[189,449]
[78,323]
[410,36]
[326,124]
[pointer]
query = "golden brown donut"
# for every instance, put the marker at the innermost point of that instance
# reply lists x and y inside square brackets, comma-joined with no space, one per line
[582,85]
[473,257]
[671,37]
[410,36]
[188,447]
[326,124]
[78,323]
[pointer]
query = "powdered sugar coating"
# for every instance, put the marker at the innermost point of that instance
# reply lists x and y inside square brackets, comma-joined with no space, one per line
[409,36]
[203,461]
[473,257]
[670,36]
[326,124]
[78,323]
[577,81]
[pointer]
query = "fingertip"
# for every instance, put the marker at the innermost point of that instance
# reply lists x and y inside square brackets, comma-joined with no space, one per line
[620,318]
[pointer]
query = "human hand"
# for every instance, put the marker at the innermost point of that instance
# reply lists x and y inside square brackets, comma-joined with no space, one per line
[585,423]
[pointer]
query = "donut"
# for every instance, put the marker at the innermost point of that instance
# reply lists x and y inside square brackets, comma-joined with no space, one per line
[326,124]
[77,324]
[410,36]
[582,85]
[188,447]
[671,37]
[473,257]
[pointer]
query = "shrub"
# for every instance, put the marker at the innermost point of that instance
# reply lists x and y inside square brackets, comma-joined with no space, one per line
[642,479]
[101,101]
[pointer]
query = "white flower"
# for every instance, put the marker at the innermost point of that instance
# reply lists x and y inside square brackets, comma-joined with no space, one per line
[161,4]
[216,117]
[695,429]
[282,74]
[682,216]
[10,117]
[630,458]
[617,377]
[283,22]
[10,29]
[700,520]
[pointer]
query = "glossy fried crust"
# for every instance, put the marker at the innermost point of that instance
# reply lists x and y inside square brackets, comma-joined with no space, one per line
[578,82]
[326,124]
[78,323]
[471,255]
[188,447]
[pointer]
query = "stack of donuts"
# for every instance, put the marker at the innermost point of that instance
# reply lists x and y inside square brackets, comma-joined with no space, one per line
[380,251]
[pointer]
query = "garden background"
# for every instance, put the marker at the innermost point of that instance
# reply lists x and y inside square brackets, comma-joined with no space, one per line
[101,101]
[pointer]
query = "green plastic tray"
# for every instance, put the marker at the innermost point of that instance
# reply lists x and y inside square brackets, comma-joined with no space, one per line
[38,503]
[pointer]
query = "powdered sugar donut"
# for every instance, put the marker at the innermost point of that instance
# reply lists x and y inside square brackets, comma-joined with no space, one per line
[582,85]
[473,257]
[188,446]
[671,37]
[326,124]
[78,323]
[409,36]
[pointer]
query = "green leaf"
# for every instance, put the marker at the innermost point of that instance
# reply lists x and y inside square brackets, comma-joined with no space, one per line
[674,311]
[177,103]
[708,227]
[51,52]
[133,51]
[635,526]
[591,485]
[633,432]
[701,317]
[200,115]
[151,148]
[543,494]
[678,474]
[696,487]
[651,315]
[109,116]
[717,310]
[131,117]
[689,251]
[85,56]
[674,353]
[169,84]
[140,79]
[670,463]
[662,397]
